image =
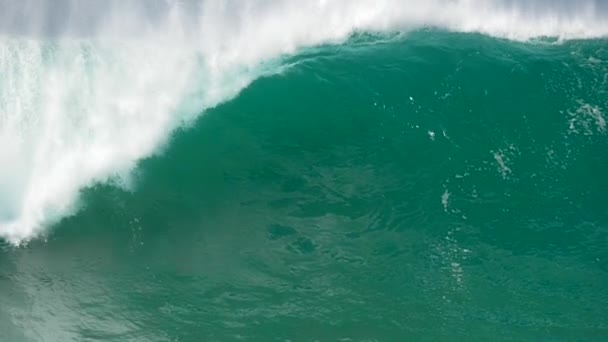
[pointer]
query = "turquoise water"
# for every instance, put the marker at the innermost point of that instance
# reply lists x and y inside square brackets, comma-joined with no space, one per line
[427,186]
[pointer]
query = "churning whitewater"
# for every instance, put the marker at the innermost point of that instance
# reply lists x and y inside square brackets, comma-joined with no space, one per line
[89,89]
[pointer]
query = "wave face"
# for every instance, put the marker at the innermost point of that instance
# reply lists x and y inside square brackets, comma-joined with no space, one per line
[88,89]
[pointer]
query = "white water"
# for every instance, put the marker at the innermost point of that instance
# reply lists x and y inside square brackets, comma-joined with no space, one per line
[89,88]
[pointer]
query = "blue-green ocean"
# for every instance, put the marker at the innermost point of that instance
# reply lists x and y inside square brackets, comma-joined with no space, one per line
[428,185]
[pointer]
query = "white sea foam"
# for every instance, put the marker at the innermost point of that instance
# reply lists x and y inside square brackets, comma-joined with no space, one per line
[445,200]
[88,88]
[504,170]
[587,120]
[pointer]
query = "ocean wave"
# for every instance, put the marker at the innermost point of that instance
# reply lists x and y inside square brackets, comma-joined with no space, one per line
[87,89]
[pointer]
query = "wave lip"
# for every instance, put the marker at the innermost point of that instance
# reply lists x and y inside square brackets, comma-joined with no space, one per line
[89,88]
[290,22]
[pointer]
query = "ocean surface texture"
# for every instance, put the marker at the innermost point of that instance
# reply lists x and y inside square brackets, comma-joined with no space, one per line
[332,170]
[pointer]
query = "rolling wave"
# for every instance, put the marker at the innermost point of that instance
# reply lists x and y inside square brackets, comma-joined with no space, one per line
[87,89]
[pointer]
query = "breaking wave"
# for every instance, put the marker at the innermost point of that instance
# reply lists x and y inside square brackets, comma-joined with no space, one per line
[87,89]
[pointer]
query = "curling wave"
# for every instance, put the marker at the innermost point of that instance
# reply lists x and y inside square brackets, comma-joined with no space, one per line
[89,88]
